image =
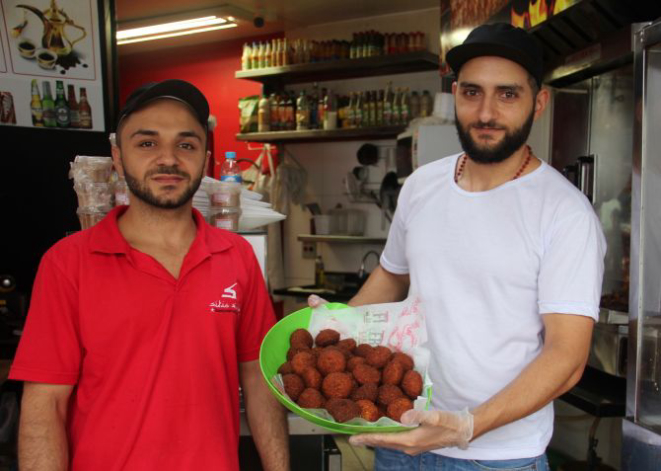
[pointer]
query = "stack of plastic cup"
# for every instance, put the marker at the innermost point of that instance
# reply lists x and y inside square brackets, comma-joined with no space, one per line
[91,181]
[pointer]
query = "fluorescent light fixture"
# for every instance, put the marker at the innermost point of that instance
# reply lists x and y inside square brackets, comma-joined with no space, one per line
[171,29]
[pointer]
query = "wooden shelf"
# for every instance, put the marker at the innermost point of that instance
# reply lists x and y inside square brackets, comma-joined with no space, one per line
[320,135]
[345,68]
[345,239]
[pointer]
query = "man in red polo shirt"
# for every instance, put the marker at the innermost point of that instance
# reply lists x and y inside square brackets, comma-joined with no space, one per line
[142,328]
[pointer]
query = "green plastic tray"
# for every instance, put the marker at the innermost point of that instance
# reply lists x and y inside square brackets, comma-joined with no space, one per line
[273,353]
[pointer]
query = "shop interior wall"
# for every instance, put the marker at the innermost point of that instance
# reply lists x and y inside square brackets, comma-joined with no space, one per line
[328,163]
[211,68]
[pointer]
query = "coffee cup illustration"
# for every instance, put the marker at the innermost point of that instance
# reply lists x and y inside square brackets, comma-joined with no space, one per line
[26,48]
[46,59]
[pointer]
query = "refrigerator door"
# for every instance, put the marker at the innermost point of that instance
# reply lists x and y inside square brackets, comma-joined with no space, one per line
[642,427]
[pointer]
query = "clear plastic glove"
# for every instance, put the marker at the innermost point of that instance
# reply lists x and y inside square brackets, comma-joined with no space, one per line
[437,429]
[316,301]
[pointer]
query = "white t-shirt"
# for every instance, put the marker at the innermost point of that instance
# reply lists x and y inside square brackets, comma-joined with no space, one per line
[487,265]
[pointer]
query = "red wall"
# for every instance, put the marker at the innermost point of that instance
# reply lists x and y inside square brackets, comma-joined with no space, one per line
[210,67]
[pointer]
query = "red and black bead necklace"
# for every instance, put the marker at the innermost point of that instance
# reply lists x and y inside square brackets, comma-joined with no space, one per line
[464,158]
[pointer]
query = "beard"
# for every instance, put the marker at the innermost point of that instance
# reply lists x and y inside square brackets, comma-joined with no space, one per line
[140,190]
[511,142]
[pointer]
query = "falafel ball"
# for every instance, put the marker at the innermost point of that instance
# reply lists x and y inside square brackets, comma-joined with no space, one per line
[353,361]
[393,373]
[301,338]
[388,393]
[285,368]
[293,385]
[317,351]
[312,378]
[397,407]
[362,350]
[342,410]
[311,399]
[367,391]
[337,385]
[379,356]
[366,374]
[294,350]
[368,410]
[331,360]
[327,337]
[404,359]
[412,384]
[303,360]
[347,344]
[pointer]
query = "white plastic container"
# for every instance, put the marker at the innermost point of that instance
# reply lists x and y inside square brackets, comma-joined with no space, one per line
[322,224]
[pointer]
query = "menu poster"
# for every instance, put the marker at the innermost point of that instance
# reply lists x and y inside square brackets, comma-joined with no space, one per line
[52,74]
[459,17]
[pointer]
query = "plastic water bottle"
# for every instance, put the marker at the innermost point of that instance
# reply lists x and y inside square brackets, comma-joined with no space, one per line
[226,202]
[230,171]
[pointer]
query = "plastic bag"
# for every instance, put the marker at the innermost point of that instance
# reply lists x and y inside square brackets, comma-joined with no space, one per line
[248,116]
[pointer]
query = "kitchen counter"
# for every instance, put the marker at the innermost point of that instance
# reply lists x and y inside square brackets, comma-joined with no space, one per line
[598,393]
[329,295]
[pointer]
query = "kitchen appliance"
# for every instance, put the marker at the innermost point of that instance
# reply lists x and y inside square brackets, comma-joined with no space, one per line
[641,441]
[605,141]
[592,138]
[425,144]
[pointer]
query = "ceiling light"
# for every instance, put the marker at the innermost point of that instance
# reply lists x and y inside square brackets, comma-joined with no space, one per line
[173,26]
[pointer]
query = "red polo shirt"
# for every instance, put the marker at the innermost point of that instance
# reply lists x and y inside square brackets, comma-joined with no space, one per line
[154,359]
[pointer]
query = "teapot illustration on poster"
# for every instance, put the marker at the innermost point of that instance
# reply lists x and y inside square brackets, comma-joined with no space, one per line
[51,37]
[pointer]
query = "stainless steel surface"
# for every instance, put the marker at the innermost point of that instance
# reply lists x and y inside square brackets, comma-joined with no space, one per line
[609,349]
[641,448]
[642,430]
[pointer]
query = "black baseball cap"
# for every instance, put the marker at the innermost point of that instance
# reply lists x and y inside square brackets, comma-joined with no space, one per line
[175,89]
[502,40]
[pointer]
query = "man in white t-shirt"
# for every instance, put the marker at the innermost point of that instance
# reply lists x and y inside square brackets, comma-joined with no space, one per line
[507,257]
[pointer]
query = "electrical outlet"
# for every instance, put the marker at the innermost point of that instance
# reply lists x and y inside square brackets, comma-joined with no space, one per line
[309,250]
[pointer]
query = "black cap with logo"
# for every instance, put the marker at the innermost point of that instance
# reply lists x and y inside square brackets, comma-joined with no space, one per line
[175,89]
[502,40]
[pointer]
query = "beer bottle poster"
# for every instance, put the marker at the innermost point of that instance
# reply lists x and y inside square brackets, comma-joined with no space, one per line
[51,47]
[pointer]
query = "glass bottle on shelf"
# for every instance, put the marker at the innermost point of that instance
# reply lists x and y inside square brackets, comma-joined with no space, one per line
[302,112]
[74,115]
[246,62]
[264,114]
[48,105]
[291,112]
[358,116]
[426,104]
[387,105]
[349,114]
[267,54]
[275,112]
[414,103]
[36,108]
[61,108]
[379,108]
[404,110]
[395,111]
[84,110]
[330,111]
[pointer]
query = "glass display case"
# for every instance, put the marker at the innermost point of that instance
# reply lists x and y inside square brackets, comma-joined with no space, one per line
[642,425]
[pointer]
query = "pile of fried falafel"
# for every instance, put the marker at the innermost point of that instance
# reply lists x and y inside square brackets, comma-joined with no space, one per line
[347,379]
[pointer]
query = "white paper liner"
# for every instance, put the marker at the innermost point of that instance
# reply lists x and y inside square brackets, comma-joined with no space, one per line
[398,326]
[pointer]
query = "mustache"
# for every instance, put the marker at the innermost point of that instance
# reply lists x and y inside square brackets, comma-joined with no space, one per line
[488,125]
[165,170]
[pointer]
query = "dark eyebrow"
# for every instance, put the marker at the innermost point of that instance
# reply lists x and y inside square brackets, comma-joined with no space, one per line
[149,132]
[469,85]
[513,87]
[143,132]
[505,87]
